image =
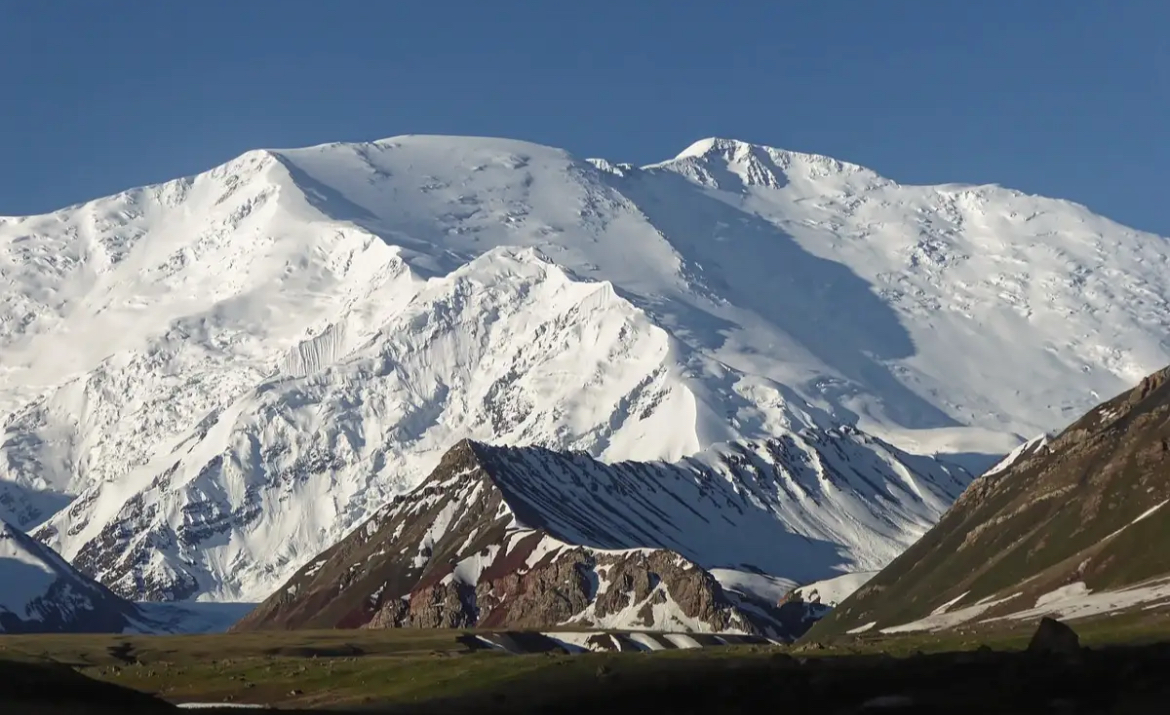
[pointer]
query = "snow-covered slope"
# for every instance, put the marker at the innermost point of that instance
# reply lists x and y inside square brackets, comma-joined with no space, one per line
[231,371]
[532,538]
[41,593]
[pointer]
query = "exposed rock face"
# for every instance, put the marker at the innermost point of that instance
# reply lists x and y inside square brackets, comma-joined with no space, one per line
[529,538]
[1064,519]
[561,587]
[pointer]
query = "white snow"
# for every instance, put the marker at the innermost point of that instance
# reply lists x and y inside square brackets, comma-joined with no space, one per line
[941,621]
[500,642]
[25,574]
[647,641]
[832,591]
[232,370]
[1149,512]
[682,640]
[862,628]
[544,548]
[317,566]
[1141,517]
[943,608]
[760,515]
[761,586]
[208,706]
[572,641]
[1077,601]
[1073,591]
[1028,448]
[44,593]
[662,616]
[469,569]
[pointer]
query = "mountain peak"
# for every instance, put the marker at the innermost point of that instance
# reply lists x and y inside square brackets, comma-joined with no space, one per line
[733,164]
[716,145]
[340,317]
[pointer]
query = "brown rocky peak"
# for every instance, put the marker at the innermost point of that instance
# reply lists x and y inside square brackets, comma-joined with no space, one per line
[531,538]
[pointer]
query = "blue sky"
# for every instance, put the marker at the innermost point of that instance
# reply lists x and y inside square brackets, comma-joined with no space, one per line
[1067,99]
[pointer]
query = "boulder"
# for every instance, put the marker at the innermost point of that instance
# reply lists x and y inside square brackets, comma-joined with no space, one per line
[1056,638]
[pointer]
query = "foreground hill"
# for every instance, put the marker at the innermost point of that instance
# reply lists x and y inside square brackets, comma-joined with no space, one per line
[46,688]
[1074,526]
[205,383]
[529,538]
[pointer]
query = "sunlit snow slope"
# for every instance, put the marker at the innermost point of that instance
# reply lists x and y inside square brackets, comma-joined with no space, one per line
[229,371]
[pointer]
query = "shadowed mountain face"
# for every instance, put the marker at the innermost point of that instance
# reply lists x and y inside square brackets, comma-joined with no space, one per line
[532,538]
[1075,526]
[41,593]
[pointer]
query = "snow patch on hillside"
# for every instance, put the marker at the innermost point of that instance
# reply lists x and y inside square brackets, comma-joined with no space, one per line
[832,591]
[766,588]
[949,619]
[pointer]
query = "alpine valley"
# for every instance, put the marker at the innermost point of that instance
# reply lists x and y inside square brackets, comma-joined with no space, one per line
[431,380]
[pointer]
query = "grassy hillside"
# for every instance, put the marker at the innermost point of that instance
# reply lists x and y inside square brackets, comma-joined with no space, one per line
[1064,514]
[416,671]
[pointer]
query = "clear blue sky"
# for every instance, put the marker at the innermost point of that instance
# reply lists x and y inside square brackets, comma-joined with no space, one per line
[1068,98]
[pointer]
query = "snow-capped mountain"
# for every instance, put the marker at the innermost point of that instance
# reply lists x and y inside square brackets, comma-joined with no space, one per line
[527,537]
[41,593]
[227,373]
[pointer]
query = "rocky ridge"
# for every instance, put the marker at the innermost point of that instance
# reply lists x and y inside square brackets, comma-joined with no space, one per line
[528,538]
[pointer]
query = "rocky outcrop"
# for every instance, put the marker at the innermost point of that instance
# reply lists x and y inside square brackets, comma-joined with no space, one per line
[528,538]
[1065,521]
[565,586]
[1052,636]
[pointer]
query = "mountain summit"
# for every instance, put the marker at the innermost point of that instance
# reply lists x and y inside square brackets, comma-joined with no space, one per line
[205,383]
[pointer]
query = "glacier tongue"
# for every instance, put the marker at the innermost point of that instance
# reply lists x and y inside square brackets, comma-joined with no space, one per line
[230,371]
